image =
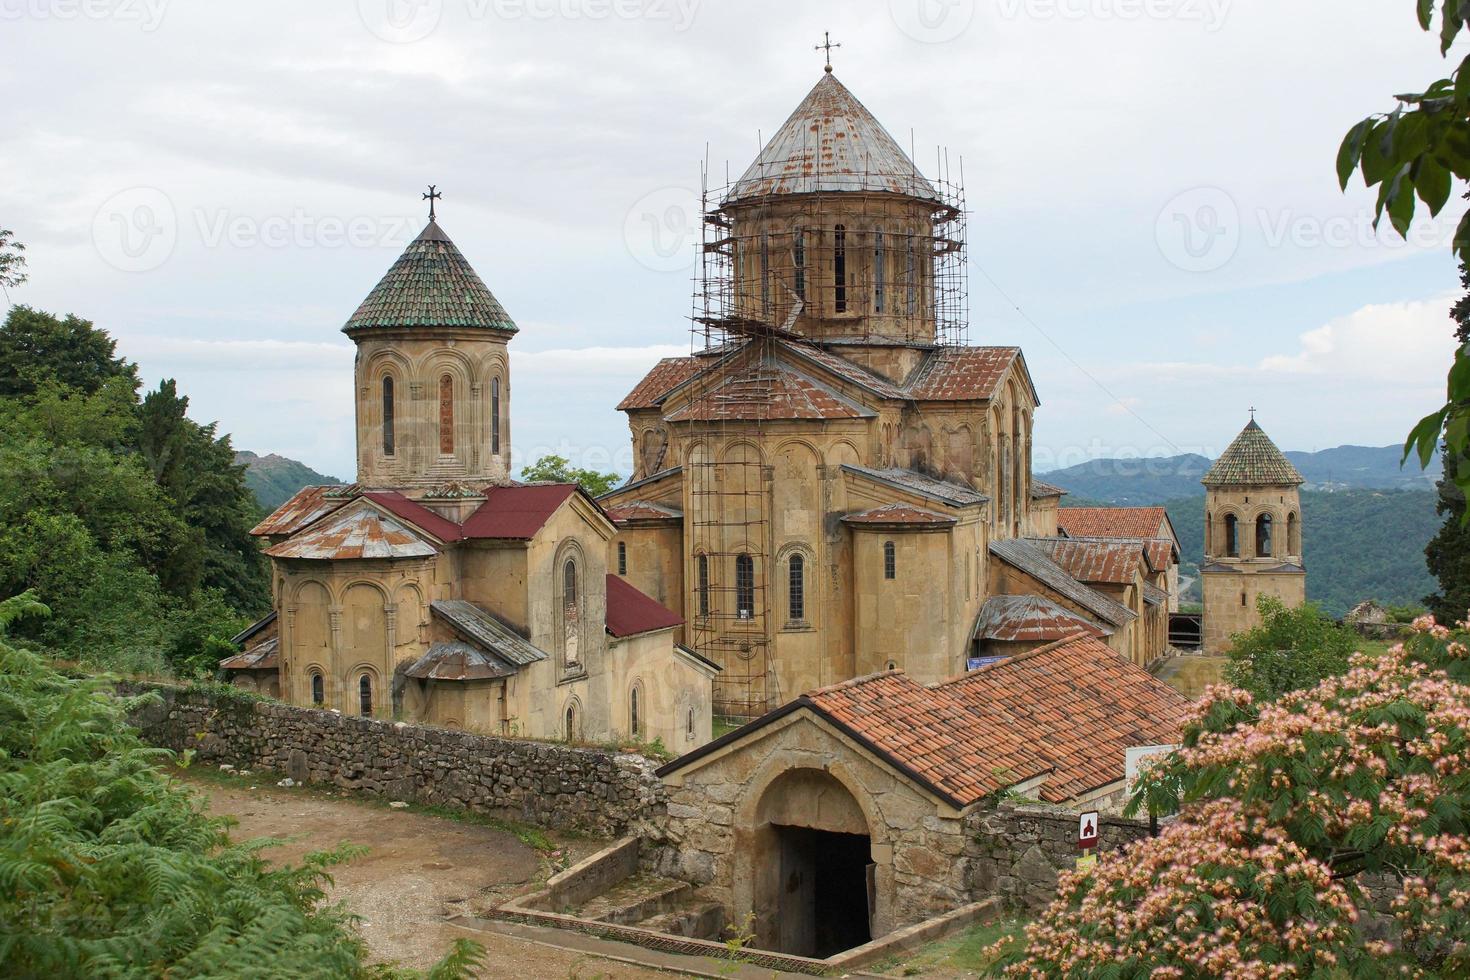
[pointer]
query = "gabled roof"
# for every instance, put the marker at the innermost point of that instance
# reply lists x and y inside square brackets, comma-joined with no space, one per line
[641,510]
[1034,561]
[486,631]
[307,505]
[361,532]
[1081,704]
[1252,460]
[1096,560]
[430,285]
[1030,619]
[1116,522]
[651,478]
[941,491]
[630,612]
[1040,491]
[240,638]
[663,378]
[899,514]
[517,512]
[456,660]
[262,656]
[831,143]
[416,514]
[769,392]
[966,374]
[840,367]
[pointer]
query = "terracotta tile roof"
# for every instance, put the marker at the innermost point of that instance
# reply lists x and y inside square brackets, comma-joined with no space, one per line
[769,393]
[431,285]
[963,374]
[456,660]
[1079,703]
[899,513]
[1030,619]
[951,494]
[962,753]
[262,656]
[487,631]
[641,510]
[842,368]
[1096,560]
[309,504]
[415,513]
[1041,490]
[516,512]
[1252,460]
[1114,522]
[664,377]
[361,532]
[630,612]
[1036,562]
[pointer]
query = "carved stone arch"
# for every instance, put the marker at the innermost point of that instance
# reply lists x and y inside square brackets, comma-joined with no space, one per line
[301,585]
[729,449]
[843,452]
[636,706]
[569,593]
[786,580]
[386,359]
[354,676]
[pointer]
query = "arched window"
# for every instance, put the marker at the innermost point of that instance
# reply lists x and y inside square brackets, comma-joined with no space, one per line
[622,558]
[1263,536]
[318,689]
[890,560]
[796,588]
[1232,537]
[839,269]
[365,695]
[1293,535]
[387,416]
[446,416]
[798,259]
[766,274]
[571,722]
[571,614]
[744,587]
[880,273]
[635,721]
[703,574]
[911,276]
[495,416]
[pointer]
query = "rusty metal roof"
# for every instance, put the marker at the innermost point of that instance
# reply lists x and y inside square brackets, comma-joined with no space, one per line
[1030,619]
[308,505]
[262,656]
[431,285]
[362,532]
[642,510]
[486,631]
[831,143]
[768,392]
[1035,560]
[899,514]
[1040,491]
[455,660]
[950,494]
[1096,560]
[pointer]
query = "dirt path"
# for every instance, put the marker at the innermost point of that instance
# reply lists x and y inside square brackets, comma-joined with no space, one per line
[418,866]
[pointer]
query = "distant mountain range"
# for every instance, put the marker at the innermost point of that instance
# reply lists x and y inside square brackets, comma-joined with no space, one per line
[1151,481]
[273,479]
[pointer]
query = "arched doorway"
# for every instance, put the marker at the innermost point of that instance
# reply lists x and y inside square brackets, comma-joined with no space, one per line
[814,874]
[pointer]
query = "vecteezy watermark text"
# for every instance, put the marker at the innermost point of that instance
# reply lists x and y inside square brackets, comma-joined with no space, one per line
[406,21]
[147,13]
[1209,13]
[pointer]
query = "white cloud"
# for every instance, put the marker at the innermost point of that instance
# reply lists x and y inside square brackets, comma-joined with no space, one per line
[1388,342]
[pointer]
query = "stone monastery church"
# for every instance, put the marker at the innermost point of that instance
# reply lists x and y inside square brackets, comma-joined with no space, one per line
[834,484]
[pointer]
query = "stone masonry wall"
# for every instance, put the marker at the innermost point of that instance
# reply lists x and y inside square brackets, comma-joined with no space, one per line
[592,790]
[1016,850]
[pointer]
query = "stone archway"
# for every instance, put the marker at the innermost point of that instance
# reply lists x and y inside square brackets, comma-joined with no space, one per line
[813,873]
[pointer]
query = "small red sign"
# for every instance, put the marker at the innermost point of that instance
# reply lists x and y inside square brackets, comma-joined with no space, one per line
[1087,829]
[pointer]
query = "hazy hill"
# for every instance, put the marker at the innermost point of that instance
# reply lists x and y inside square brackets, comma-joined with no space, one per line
[273,479]
[1149,481]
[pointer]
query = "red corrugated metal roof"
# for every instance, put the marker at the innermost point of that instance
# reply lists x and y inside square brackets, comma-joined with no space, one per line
[630,612]
[416,513]
[517,511]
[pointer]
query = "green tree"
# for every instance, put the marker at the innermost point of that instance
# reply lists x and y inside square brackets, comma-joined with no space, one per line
[110,868]
[37,348]
[559,469]
[1448,553]
[1289,650]
[12,262]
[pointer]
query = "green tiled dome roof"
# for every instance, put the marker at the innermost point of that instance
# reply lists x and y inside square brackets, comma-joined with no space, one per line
[431,285]
[1252,460]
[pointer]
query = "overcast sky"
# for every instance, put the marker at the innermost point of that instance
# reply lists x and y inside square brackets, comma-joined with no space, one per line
[1153,211]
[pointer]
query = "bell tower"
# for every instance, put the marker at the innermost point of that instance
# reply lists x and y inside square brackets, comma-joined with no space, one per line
[1253,535]
[432,375]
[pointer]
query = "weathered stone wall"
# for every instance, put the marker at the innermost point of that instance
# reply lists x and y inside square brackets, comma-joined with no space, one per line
[592,790]
[1015,851]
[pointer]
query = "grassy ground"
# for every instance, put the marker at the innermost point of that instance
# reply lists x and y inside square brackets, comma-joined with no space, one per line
[965,954]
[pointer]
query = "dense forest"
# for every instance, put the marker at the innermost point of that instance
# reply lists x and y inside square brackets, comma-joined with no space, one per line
[1358,544]
[127,518]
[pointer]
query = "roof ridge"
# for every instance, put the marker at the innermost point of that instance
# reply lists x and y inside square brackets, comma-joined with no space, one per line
[1018,658]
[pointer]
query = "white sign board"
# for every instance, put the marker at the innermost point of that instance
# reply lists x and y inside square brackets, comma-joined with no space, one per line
[1087,829]
[1133,756]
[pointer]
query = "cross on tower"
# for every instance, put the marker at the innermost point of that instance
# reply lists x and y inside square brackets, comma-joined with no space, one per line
[826,46]
[431,197]
[1253,413]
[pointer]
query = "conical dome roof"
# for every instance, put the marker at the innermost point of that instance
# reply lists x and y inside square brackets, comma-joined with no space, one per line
[1252,460]
[431,285]
[831,143]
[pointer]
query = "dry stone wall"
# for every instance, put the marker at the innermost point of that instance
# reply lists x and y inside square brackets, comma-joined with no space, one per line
[591,790]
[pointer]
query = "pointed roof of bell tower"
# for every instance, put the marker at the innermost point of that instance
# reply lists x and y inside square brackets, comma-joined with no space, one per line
[831,143]
[1252,460]
[431,285]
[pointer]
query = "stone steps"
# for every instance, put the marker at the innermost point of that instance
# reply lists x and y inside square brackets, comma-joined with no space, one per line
[636,899]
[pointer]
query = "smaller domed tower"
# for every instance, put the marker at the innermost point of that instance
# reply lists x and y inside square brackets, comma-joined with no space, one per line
[432,374]
[1253,536]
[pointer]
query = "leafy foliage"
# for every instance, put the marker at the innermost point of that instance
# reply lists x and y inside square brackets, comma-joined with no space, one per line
[132,519]
[1289,650]
[108,868]
[12,262]
[1448,553]
[1282,807]
[559,469]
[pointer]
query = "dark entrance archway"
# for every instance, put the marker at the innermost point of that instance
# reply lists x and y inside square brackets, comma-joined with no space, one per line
[826,891]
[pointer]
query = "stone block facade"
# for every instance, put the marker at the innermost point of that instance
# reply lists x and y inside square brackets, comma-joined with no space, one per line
[591,790]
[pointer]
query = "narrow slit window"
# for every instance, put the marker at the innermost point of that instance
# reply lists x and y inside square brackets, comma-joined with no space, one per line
[365,695]
[879,277]
[1232,537]
[796,588]
[318,689]
[703,572]
[799,260]
[635,724]
[495,416]
[446,416]
[744,587]
[911,276]
[622,558]
[1263,536]
[890,560]
[766,274]
[839,269]
[387,416]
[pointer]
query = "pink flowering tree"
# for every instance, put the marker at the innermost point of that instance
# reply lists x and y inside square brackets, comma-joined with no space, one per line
[1285,811]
